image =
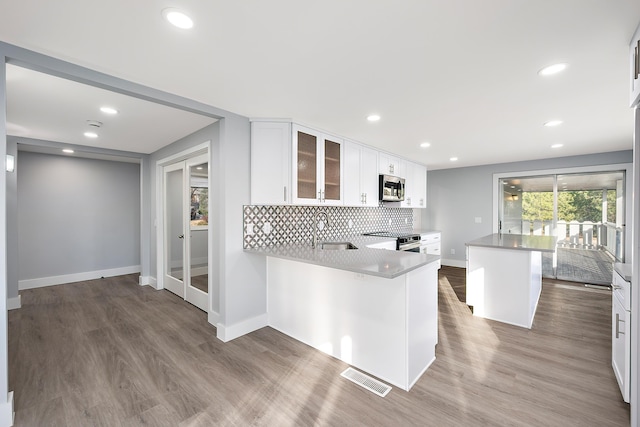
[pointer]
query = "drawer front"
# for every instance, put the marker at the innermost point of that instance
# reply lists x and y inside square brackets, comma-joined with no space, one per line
[432,249]
[430,238]
[622,290]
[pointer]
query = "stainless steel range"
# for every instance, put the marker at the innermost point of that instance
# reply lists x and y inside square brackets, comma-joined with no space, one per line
[409,242]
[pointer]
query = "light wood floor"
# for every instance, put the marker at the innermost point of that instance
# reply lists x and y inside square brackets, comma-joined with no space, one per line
[111,353]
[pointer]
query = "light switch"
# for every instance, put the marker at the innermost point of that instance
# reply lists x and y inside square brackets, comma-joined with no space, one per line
[478,220]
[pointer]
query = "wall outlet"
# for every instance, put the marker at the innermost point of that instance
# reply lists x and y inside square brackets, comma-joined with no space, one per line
[250,229]
[478,220]
[389,221]
[453,251]
[266,228]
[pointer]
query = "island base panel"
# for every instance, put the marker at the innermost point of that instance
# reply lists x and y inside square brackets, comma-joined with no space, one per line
[503,284]
[362,320]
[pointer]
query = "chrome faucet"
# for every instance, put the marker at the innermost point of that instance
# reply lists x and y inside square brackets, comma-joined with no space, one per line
[315,226]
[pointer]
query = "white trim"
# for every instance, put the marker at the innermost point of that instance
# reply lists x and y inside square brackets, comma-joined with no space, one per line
[147,281]
[14,303]
[7,414]
[213,317]
[228,333]
[454,263]
[76,277]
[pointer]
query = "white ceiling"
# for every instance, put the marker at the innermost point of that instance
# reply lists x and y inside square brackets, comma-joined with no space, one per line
[460,74]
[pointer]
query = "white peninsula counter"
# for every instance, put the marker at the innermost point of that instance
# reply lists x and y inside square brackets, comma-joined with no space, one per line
[504,276]
[374,309]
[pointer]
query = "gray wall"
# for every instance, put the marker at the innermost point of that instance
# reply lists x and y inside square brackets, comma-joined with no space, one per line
[457,196]
[76,215]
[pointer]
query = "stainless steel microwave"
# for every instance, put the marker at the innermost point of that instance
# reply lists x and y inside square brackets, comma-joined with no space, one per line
[391,188]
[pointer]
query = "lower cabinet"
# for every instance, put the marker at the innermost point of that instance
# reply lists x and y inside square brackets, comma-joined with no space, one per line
[620,336]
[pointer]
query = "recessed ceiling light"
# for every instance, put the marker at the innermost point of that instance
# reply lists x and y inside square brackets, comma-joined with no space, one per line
[199,168]
[552,69]
[91,134]
[108,110]
[557,145]
[373,118]
[453,159]
[68,151]
[552,123]
[425,145]
[177,18]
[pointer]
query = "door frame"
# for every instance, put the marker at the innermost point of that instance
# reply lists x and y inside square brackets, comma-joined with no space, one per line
[628,192]
[204,148]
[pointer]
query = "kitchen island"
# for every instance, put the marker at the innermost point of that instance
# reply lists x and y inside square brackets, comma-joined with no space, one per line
[504,276]
[372,308]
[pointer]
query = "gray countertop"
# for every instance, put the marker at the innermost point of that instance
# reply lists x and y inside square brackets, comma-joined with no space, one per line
[517,242]
[623,270]
[425,231]
[371,261]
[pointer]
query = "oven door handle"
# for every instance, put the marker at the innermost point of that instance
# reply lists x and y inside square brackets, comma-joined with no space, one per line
[409,246]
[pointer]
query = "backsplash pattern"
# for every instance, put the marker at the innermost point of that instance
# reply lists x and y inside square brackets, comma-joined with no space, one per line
[277,225]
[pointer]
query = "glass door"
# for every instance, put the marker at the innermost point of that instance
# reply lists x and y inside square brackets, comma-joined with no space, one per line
[186,230]
[585,211]
[197,288]
[174,248]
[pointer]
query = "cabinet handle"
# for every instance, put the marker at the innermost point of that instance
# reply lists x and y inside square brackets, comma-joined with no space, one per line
[322,199]
[285,193]
[319,195]
[365,198]
[391,168]
[618,333]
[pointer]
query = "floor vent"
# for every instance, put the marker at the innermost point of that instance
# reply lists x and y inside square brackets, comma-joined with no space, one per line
[371,384]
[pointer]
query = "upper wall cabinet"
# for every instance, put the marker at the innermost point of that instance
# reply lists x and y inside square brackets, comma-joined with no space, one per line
[634,54]
[390,165]
[270,163]
[317,167]
[293,164]
[415,186]
[360,175]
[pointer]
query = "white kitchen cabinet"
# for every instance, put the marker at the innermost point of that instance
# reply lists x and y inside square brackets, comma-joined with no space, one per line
[430,243]
[390,165]
[270,163]
[317,167]
[620,333]
[415,186]
[360,175]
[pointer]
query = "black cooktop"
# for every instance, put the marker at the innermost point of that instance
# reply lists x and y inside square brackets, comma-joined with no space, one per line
[394,234]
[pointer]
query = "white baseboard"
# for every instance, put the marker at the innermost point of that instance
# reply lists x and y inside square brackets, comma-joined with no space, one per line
[199,271]
[14,303]
[228,333]
[6,411]
[454,263]
[148,281]
[76,277]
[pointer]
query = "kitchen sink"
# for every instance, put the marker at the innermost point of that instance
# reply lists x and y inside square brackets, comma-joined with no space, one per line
[337,246]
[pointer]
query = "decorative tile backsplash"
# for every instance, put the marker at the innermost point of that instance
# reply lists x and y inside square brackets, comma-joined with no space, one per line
[277,225]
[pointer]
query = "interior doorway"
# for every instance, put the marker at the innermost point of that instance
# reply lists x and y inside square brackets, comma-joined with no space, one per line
[185,226]
[585,211]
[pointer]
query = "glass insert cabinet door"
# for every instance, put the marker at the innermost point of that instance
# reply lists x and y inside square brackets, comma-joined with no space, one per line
[317,167]
[307,155]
